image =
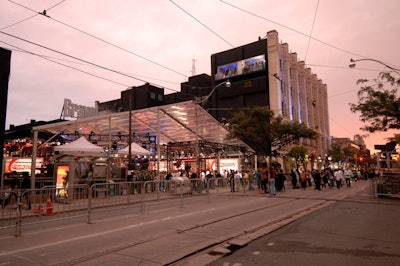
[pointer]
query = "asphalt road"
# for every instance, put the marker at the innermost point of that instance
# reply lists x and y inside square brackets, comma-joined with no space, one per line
[356,231]
[293,228]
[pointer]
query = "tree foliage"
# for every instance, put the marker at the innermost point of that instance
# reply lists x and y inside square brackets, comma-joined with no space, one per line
[340,155]
[299,154]
[378,103]
[264,132]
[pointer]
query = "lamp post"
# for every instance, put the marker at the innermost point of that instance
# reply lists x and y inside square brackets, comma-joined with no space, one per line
[227,83]
[353,64]
[201,102]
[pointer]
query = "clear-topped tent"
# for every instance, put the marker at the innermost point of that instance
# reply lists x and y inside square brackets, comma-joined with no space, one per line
[173,123]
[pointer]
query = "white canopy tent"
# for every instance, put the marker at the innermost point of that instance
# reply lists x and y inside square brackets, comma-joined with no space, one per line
[135,150]
[80,147]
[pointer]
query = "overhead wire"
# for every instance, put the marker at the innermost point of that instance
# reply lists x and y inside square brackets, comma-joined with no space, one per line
[311,32]
[204,25]
[76,58]
[92,64]
[59,63]
[103,40]
[28,18]
[292,29]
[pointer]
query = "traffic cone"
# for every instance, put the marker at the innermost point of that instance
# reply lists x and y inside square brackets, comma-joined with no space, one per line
[49,209]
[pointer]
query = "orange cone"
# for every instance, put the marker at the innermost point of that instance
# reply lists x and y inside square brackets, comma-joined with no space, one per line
[49,209]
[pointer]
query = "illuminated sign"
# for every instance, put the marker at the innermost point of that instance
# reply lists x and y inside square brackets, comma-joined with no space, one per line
[22,165]
[245,66]
[224,165]
[78,111]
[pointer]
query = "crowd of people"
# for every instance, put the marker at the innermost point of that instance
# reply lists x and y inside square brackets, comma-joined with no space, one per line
[15,184]
[271,179]
[329,178]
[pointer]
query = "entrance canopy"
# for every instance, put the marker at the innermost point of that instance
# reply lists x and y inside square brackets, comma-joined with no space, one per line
[173,123]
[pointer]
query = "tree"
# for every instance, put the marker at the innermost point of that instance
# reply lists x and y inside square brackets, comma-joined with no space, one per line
[265,133]
[378,103]
[299,154]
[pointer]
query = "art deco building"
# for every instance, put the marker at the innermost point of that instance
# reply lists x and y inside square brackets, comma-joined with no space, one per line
[266,73]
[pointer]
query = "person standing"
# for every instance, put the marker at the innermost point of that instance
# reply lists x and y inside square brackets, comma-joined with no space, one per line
[280,180]
[303,178]
[15,184]
[26,186]
[317,179]
[258,176]
[295,175]
[264,179]
[272,178]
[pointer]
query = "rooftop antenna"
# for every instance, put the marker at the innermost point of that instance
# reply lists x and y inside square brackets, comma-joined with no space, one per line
[194,67]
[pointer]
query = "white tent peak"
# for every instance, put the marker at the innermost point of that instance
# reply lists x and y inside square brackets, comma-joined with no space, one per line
[135,150]
[80,147]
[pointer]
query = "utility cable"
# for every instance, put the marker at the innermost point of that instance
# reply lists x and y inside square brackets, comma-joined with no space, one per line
[94,64]
[76,58]
[28,18]
[102,40]
[292,29]
[311,32]
[204,25]
[65,65]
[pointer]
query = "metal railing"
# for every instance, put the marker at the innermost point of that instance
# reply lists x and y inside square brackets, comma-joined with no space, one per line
[386,186]
[52,203]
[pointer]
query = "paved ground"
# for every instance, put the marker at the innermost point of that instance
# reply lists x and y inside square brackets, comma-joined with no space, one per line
[357,230]
[296,227]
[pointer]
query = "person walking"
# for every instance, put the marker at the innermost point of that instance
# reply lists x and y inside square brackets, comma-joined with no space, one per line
[338,177]
[347,176]
[272,178]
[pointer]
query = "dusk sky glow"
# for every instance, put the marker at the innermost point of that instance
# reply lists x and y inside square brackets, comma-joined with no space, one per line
[90,51]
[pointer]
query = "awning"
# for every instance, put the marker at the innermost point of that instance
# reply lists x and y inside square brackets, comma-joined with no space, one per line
[179,122]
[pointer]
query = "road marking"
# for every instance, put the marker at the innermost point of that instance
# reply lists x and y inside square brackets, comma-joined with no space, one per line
[102,233]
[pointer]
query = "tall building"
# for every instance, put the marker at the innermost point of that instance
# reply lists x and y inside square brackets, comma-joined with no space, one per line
[263,73]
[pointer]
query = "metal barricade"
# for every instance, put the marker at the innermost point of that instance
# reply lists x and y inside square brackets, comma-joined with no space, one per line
[388,185]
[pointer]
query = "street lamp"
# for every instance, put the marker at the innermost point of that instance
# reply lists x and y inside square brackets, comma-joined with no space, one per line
[227,83]
[353,64]
[200,101]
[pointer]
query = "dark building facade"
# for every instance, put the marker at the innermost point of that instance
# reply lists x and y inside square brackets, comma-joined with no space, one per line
[135,98]
[247,71]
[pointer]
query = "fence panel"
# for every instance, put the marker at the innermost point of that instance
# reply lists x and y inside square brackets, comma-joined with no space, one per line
[388,185]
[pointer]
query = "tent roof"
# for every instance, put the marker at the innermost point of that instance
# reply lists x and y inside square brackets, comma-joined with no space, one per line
[173,123]
[80,147]
[135,150]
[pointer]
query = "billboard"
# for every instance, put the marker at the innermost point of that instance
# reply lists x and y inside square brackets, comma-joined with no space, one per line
[224,164]
[245,66]
[22,165]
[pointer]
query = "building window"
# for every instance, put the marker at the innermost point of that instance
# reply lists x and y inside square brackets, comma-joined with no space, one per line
[152,95]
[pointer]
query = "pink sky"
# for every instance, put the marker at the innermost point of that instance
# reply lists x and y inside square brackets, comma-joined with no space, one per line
[155,41]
